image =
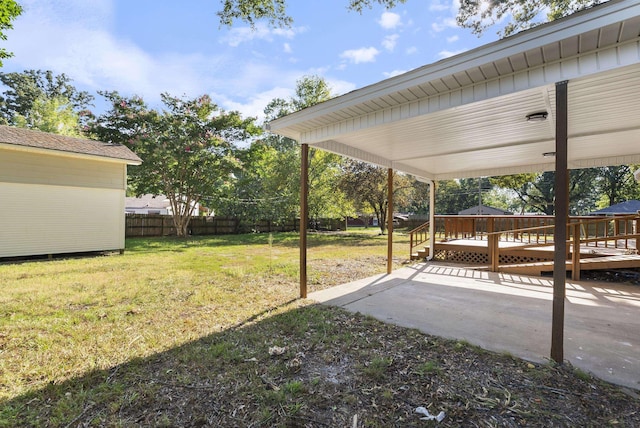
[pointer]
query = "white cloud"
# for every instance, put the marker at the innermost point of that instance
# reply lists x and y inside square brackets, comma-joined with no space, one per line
[447,54]
[411,50]
[439,6]
[253,105]
[360,55]
[393,73]
[443,24]
[287,48]
[72,38]
[389,20]
[96,60]
[389,42]
[453,39]
[340,87]
[239,35]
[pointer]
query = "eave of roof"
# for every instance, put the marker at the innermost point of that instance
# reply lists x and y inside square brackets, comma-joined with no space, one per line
[20,138]
[537,37]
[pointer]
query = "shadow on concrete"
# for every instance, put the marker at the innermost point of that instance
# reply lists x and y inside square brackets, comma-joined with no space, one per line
[506,313]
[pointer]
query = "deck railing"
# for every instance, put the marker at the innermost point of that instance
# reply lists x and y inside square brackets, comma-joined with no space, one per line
[418,236]
[609,232]
[619,232]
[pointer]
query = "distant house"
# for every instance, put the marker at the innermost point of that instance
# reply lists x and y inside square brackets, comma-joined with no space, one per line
[147,204]
[484,210]
[152,204]
[623,208]
[60,194]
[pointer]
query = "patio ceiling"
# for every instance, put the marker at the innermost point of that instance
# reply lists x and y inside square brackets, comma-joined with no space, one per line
[465,116]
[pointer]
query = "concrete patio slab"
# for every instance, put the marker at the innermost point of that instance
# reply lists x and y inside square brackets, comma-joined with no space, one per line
[506,313]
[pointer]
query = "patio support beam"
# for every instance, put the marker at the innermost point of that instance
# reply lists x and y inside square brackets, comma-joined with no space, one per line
[432,219]
[561,187]
[389,220]
[304,217]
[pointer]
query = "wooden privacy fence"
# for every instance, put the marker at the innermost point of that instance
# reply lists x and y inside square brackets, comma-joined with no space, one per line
[138,225]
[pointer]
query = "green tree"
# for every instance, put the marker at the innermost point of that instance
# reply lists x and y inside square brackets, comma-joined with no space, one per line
[326,198]
[367,186]
[453,196]
[187,149]
[9,11]
[474,14]
[53,115]
[310,90]
[275,11]
[268,183]
[616,184]
[417,199]
[536,191]
[266,186]
[478,15]
[31,87]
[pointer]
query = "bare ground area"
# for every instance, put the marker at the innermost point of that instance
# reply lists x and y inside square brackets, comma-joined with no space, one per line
[305,365]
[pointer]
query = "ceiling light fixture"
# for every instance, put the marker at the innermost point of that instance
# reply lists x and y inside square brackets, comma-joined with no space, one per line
[537,117]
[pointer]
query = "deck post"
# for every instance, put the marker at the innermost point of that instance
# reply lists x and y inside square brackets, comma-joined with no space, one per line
[494,251]
[561,187]
[389,220]
[636,231]
[575,255]
[304,217]
[432,219]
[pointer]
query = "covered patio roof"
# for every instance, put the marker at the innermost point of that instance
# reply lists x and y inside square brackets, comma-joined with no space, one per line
[466,116]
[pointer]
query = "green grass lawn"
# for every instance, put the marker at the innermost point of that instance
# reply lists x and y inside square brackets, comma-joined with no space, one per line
[209,331]
[63,318]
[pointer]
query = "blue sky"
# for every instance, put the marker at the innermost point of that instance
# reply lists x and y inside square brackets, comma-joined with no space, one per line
[146,47]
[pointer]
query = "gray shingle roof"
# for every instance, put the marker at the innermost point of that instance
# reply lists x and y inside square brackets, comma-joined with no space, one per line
[44,140]
[628,207]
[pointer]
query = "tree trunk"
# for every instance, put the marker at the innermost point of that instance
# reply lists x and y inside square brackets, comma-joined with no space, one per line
[381,215]
[182,212]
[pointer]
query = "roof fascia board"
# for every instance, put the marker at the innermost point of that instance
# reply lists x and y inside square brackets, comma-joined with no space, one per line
[530,168]
[605,161]
[553,32]
[351,152]
[61,153]
[540,78]
[493,172]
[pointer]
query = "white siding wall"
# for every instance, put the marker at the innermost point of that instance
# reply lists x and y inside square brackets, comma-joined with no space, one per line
[53,205]
[35,168]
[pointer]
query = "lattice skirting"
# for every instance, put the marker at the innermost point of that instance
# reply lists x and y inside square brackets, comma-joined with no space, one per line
[480,258]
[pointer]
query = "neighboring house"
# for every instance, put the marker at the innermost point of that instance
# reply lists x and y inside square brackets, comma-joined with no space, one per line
[147,204]
[623,208]
[60,194]
[484,210]
[153,204]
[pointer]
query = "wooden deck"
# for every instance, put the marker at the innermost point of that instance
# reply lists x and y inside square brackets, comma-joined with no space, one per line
[500,243]
[531,260]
